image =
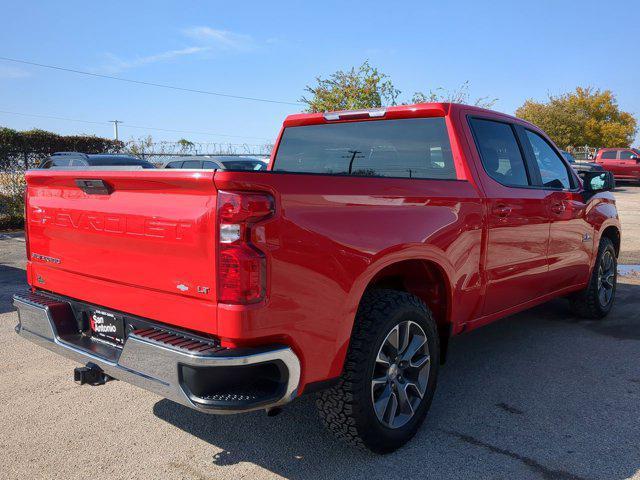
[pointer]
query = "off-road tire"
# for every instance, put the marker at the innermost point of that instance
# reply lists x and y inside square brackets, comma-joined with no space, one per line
[586,303]
[347,408]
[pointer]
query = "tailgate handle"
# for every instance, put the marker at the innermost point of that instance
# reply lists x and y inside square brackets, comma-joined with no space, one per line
[94,186]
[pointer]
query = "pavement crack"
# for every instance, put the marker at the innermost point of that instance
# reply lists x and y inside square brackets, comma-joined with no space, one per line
[546,472]
[508,408]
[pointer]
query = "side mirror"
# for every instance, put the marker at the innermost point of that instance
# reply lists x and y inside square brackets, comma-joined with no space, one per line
[598,182]
[635,157]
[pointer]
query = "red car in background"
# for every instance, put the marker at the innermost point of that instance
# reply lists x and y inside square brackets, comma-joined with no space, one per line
[624,163]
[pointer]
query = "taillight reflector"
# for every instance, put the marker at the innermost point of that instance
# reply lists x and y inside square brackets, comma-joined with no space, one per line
[241,274]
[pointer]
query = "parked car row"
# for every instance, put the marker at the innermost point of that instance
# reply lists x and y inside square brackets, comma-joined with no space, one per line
[68,160]
[580,167]
[624,163]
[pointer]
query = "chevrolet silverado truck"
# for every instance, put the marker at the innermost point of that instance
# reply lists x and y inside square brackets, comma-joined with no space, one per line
[344,269]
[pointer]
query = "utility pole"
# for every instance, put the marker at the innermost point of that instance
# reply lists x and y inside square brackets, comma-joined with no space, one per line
[115,127]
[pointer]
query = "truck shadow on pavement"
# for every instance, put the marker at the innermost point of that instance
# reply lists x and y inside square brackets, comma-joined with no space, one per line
[537,395]
[12,280]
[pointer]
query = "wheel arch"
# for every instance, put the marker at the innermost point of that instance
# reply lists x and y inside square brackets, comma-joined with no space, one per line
[403,271]
[425,279]
[612,232]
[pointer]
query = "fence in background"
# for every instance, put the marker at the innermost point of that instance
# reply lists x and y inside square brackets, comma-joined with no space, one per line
[160,158]
[11,161]
[583,153]
[144,149]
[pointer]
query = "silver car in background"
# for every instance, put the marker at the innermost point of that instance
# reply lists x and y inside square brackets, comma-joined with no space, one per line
[217,163]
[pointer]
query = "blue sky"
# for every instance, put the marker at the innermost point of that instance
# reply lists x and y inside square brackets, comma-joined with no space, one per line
[505,49]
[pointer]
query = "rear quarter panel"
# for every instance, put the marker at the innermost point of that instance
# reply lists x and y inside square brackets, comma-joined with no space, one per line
[329,238]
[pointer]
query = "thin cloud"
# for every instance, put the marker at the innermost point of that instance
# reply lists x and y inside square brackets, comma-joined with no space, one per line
[13,72]
[221,39]
[116,64]
[206,39]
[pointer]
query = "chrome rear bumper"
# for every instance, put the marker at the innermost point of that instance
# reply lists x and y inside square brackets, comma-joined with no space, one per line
[156,367]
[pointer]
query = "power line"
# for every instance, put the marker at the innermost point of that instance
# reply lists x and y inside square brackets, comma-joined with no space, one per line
[131,126]
[151,84]
[53,117]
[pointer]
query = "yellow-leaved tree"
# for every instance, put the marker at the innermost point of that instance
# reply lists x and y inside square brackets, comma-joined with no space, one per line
[586,116]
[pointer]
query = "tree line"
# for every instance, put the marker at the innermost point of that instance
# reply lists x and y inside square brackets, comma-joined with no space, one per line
[26,149]
[586,116]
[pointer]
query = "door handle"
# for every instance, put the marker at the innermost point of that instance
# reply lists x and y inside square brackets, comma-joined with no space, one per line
[558,208]
[502,210]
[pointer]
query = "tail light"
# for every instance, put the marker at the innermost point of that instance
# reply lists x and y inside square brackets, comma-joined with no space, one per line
[26,225]
[241,265]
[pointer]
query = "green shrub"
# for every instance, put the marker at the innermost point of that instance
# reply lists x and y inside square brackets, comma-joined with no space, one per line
[27,149]
[12,187]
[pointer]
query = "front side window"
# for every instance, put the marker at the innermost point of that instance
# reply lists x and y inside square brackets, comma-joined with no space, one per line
[410,148]
[553,171]
[626,154]
[499,152]
[609,155]
[174,165]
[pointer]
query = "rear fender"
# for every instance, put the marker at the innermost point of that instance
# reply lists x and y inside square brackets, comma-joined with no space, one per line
[398,254]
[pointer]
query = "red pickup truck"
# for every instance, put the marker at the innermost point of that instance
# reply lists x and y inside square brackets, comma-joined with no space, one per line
[624,163]
[345,268]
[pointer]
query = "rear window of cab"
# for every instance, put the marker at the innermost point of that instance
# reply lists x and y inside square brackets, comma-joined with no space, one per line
[407,148]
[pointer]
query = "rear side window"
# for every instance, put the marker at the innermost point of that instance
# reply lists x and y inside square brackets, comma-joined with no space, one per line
[242,165]
[209,165]
[61,162]
[410,148]
[191,164]
[500,153]
[609,154]
[553,171]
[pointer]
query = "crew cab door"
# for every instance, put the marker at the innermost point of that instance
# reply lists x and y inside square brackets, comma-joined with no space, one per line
[515,263]
[608,159]
[628,164]
[570,235]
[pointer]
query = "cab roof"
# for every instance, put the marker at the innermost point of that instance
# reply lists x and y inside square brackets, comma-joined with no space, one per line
[417,110]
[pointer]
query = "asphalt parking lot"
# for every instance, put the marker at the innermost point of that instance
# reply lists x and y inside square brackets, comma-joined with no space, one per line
[539,395]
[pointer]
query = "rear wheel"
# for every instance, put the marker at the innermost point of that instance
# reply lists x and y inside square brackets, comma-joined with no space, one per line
[389,376]
[597,299]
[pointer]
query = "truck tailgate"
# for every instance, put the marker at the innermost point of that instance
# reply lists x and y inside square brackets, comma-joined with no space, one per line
[146,247]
